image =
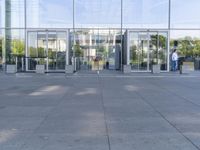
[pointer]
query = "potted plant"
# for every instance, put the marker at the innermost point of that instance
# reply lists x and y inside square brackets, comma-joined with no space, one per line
[71,67]
[40,67]
[155,68]
[155,64]
[17,51]
[11,66]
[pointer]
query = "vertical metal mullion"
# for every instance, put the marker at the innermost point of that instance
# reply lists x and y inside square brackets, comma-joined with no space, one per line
[47,51]
[56,50]
[25,39]
[37,46]
[158,42]
[128,46]
[67,48]
[169,15]
[26,53]
[74,42]
[139,48]
[148,50]
[168,43]
[121,65]
[168,51]
[98,47]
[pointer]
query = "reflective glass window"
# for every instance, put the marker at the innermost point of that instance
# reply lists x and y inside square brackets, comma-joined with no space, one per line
[2,48]
[145,13]
[147,49]
[97,13]
[14,45]
[2,13]
[97,49]
[187,43]
[50,13]
[13,10]
[185,14]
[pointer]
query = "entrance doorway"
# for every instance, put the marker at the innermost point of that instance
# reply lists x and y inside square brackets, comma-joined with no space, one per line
[97,49]
[147,48]
[48,48]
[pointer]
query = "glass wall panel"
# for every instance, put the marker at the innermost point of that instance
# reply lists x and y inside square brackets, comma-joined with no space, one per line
[187,43]
[50,13]
[134,47]
[97,49]
[2,49]
[145,13]
[2,13]
[32,53]
[32,44]
[52,50]
[85,49]
[62,51]
[109,49]
[185,14]
[97,13]
[15,47]
[139,50]
[158,49]
[147,49]
[47,48]
[14,13]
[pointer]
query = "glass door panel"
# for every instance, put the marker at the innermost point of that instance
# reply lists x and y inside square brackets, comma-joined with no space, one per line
[158,51]
[134,51]
[47,48]
[85,49]
[61,50]
[109,48]
[97,49]
[42,48]
[143,51]
[32,53]
[139,51]
[52,51]
[163,50]
[153,49]
[147,49]
[103,48]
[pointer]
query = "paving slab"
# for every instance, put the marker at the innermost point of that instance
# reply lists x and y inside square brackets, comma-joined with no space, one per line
[102,112]
[153,141]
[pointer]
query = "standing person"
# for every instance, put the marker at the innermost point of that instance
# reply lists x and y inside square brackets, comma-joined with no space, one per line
[174,60]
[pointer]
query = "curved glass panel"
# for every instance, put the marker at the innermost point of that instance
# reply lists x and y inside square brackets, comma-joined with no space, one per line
[185,14]
[49,14]
[97,13]
[145,13]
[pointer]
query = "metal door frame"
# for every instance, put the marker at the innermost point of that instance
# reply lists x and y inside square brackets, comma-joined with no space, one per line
[46,31]
[148,33]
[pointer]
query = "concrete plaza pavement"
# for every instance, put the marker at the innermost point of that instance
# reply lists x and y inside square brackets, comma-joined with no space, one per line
[97,112]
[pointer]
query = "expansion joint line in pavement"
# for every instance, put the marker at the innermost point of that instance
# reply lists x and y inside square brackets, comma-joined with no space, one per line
[104,111]
[182,97]
[168,121]
[45,118]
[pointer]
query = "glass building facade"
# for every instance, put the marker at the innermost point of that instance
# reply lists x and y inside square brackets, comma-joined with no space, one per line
[97,34]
